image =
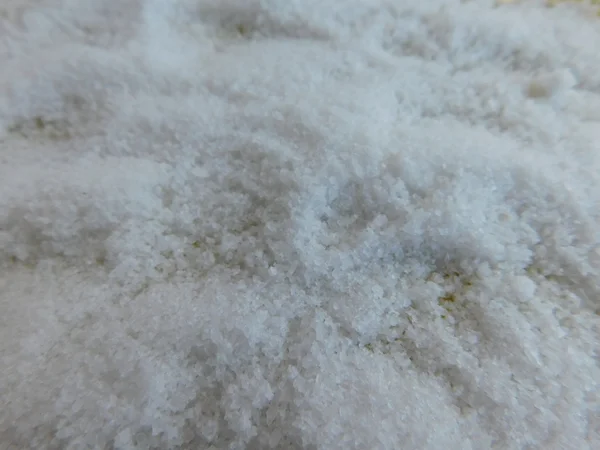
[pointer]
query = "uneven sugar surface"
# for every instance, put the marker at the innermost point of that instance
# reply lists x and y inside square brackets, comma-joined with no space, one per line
[317,224]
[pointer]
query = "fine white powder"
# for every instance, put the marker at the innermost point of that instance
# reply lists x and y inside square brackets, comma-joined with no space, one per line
[299,224]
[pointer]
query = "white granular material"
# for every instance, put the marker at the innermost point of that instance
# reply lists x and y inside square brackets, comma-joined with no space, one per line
[299,224]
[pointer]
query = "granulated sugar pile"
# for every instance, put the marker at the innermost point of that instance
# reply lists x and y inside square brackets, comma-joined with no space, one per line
[299,224]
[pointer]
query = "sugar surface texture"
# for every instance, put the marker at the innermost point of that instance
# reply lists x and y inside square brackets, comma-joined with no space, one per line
[299,224]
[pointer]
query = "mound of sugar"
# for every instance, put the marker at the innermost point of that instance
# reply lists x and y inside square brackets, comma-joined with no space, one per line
[298,224]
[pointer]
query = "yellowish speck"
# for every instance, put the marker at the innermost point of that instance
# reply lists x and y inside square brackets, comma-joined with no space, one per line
[450,298]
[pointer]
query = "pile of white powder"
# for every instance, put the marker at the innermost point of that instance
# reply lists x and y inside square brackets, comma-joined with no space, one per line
[299,224]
